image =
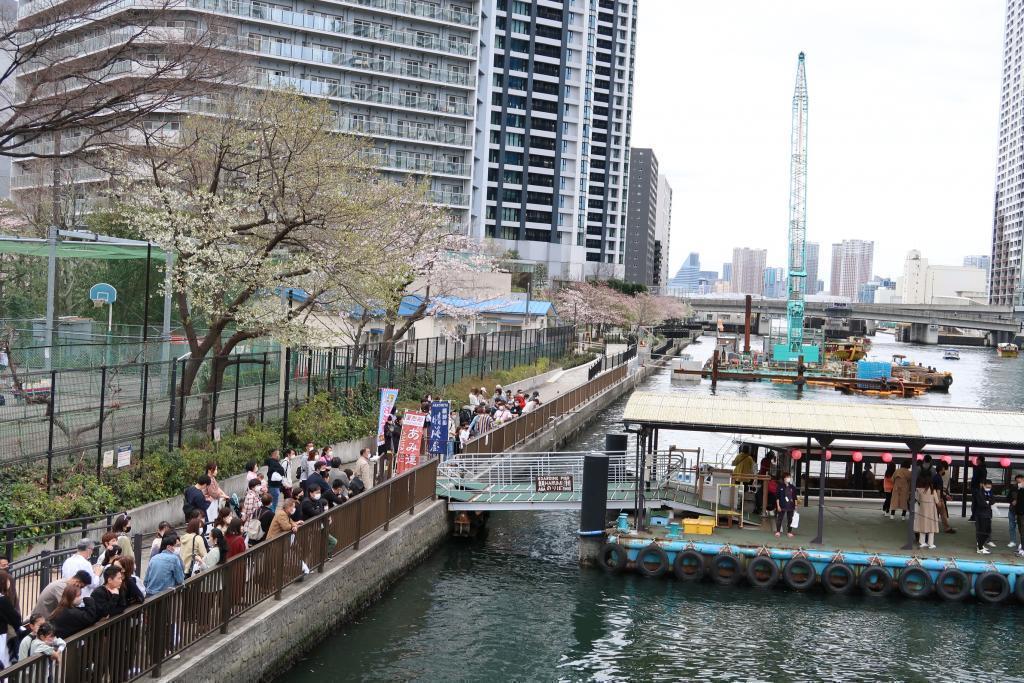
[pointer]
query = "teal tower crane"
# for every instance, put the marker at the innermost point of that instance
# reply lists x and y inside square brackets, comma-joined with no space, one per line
[794,346]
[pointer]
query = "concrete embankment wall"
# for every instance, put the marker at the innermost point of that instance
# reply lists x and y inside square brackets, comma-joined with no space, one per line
[272,636]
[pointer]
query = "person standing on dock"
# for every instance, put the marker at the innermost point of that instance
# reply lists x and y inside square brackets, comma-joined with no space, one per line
[890,470]
[1013,511]
[926,517]
[978,477]
[940,484]
[900,490]
[983,517]
[785,505]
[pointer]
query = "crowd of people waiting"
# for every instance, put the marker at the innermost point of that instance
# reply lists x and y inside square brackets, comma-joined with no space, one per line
[930,496]
[99,583]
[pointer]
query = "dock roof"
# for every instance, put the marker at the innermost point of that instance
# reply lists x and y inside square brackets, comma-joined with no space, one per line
[875,422]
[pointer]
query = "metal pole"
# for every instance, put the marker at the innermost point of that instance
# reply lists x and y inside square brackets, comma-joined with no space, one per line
[145,303]
[145,410]
[171,416]
[287,392]
[238,381]
[263,386]
[807,473]
[165,331]
[49,439]
[216,362]
[821,491]
[181,403]
[99,437]
[51,293]
[963,497]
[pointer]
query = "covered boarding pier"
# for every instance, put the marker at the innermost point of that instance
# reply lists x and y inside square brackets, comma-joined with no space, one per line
[958,432]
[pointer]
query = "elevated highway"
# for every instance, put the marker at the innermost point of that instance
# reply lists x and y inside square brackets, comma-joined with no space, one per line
[972,317]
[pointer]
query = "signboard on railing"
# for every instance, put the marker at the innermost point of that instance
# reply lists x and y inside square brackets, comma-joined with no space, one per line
[437,440]
[553,483]
[408,455]
[387,402]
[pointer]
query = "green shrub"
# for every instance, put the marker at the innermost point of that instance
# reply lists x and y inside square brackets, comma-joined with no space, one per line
[321,422]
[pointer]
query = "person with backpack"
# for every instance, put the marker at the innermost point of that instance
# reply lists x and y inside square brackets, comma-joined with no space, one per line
[195,498]
[355,484]
[256,527]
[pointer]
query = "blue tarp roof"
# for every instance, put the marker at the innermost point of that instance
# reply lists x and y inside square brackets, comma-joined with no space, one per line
[410,303]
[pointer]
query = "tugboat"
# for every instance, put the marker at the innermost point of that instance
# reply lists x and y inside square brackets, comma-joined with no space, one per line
[1007,350]
[951,354]
[852,349]
[915,373]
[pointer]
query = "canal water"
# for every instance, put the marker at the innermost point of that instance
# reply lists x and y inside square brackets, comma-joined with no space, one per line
[514,605]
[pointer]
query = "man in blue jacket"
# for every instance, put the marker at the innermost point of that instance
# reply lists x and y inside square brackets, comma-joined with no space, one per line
[165,570]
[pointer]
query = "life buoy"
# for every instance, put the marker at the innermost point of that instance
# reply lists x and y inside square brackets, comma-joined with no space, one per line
[652,561]
[762,572]
[613,558]
[688,566]
[952,584]
[916,582]
[725,569]
[991,587]
[1018,588]
[838,578]
[876,582]
[799,574]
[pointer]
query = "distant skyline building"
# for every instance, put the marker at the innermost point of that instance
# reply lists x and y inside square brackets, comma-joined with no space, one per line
[662,231]
[925,283]
[811,261]
[748,265]
[773,284]
[852,263]
[689,278]
[982,261]
[1008,216]
[642,216]
[727,272]
[867,292]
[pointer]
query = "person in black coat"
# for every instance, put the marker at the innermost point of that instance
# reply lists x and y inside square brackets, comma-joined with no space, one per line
[109,600]
[785,505]
[313,504]
[68,619]
[275,477]
[318,479]
[983,517]
[978,477]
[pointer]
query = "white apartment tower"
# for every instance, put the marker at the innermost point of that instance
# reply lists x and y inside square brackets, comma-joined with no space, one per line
[747,276]
[662,232]
[852,263]
[553,132]
[400,72]
[1005,278]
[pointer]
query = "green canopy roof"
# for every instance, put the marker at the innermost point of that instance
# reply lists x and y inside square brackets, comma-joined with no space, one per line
[77,249]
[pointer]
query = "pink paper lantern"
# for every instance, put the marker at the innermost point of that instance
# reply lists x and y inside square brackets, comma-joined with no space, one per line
[1004,462]
[948,459]
[796,455]
[920,456]
[828,455]
[974,460]
[886,457]
[857,456]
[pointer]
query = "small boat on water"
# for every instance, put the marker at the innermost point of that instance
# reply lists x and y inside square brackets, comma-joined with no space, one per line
[915,373]
[950,354]
[852,349]
[1007,350]
[686,369]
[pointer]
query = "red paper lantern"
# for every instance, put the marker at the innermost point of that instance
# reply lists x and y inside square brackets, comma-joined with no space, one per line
[886,457]
[828,455]
[857,456]
[1004,462]
[796,455]
[974,461]
[948,459]
[920,456]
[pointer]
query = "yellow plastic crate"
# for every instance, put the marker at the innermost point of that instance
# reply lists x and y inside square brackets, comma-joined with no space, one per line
[701,526]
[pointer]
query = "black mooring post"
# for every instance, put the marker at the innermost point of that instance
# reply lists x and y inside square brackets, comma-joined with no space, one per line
[819,538]
[967,482]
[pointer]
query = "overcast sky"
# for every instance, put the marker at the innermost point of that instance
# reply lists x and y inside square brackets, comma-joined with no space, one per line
[903,123]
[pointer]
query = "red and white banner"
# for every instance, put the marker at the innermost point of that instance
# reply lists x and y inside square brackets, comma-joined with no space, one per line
[408,455]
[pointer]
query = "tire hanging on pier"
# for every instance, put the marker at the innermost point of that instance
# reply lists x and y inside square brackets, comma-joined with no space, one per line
[689,565]
[991,587]
[762,572]
[652,561]
[838,578]
[875,582]
[725,569]
[799,574]
[916,582]
[613,558]
[952,584]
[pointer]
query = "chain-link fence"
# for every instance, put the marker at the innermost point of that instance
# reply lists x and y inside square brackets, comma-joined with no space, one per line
[110,414]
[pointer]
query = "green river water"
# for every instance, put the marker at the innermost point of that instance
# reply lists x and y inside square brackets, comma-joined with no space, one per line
[514,605]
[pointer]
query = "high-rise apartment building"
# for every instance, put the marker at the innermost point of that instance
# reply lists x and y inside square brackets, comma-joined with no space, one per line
[727,272]
[1005,277]
[748,270]
[662,232]
[811,265]
[982,261]
[774,284]
[852,263]
[642,216]
[402,74]
[553,132]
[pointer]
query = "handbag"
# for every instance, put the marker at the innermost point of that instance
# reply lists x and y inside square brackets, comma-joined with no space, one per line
[796,520]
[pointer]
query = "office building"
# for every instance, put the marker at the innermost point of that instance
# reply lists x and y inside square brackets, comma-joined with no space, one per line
[553,132]
[401,74]
[867,293]
[1005,281]
[852,262]
[925,283]
[690,279]
[811,265]
[774,283]
[727,271]
[662,232]
[984,262]
[642,217]
[747,270]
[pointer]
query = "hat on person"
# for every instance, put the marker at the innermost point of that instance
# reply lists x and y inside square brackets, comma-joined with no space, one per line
[497,386]
[84,544]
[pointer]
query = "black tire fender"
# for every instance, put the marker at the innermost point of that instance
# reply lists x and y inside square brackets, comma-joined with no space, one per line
[991,587]
[644,557]
[613,558]
[762,572]
[726,569]
[875,581]
[799,574]
[915,582]
[838,578]
[689,565]
[952,584]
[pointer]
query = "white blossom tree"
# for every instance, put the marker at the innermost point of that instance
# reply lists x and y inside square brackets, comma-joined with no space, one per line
[261,203]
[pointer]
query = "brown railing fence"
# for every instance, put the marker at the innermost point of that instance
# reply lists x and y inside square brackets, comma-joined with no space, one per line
[143,638]
[517,431]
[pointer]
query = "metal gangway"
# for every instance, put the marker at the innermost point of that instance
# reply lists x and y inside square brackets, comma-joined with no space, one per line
[554,481]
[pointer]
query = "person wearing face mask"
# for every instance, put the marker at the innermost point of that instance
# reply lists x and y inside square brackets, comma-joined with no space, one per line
[983,517]
[785,505]
[165,570]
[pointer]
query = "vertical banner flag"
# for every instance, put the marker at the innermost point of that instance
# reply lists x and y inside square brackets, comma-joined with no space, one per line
[437,440]
[387,402]
[408,455]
